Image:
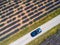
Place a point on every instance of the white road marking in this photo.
(45, 27)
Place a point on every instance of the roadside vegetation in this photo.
(30, 28)
(46, 35)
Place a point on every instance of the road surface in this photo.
(45, 27)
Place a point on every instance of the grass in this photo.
(42, 38)
(30, 28)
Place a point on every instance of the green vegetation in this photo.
(30, 28)
(41, 38)
(1, 25)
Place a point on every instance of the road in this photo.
(45, 27)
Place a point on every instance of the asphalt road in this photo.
(45, 27)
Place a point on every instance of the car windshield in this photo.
(34, 33)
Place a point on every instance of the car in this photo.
(37, 31)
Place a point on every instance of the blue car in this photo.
(37, 31)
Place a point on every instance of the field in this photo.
(28, 29)
(54, 39)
